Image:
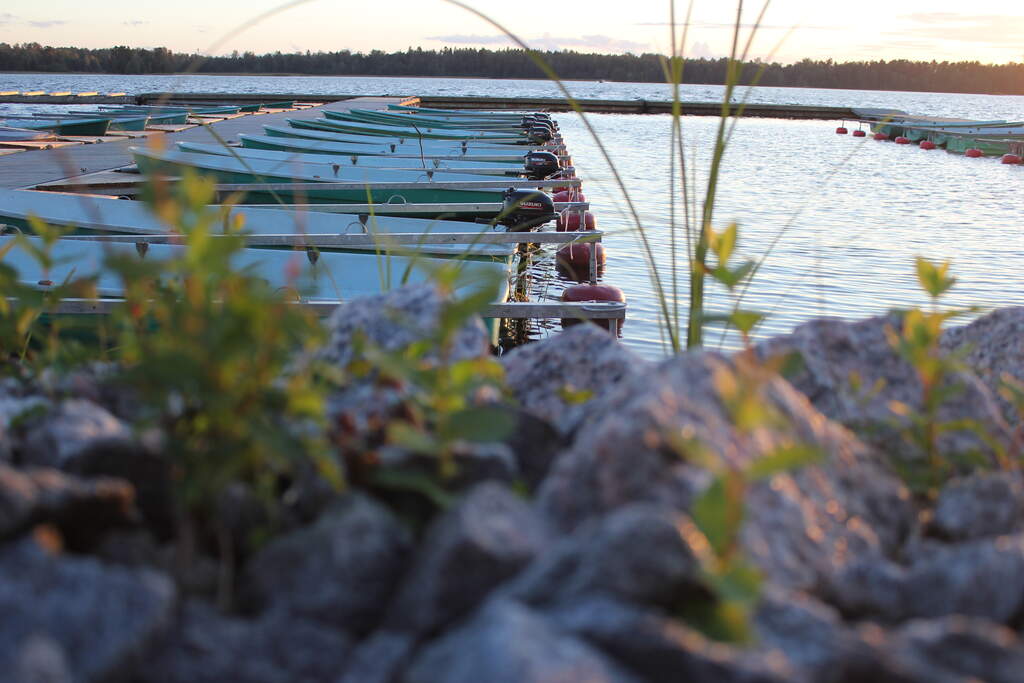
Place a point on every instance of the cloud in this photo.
(8, 18)
(990, 29)
(728, 26)
(134, 22)
(47, 24)
(701, 50)
(593, 42)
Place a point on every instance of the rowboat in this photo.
(154, 117)
(404, 120)
(510, 115)
(390, 132)
(194, 110)
(307, 145)
(105, 215)
(297, 129)
(97, 126)
(10, 134)
(124, 123)
(367, 184)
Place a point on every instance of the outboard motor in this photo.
(526, 209)
(539, 135)
(540, 165)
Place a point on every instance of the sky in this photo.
(984, 30)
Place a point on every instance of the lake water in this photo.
(852, 213)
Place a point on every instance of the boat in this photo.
(401, 164)
(92, 215)
(122, 123)
(368, 184)
(416, 145)
(67, 126)
(307, 145)
(331, 125)
(13, 134)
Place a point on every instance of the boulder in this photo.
(982, 504)
(486, 538)
(380, 658)
(650, 439)
(73, 431)
(637, 553)
(82, 509)
(340, 571)
(852, 374)
(557, 378)
(76, 619)
(660, 649)
(396, 319)
(207, 647)
(993, 346)
(506, 642)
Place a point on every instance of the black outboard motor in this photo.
(526, 209)
(540, 165)
(539, 135)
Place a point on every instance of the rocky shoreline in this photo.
(567, 550)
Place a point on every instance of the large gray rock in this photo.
(75, 619)
(584, 358)
(483, 540)
(508, 643)
(82, 509)
(340, 571)
(982, 578)
(73, 430)
(852, 374)
(994, 347)
(393, 321)
(663, 650)
(954, 649)
(380, 658)
(983, 504)
(647, 440)
(207, 647)
(637, 553)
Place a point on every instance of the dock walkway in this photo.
(32, 168)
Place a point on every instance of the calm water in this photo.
(854, 212)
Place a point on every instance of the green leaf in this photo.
(784, 459)
(482, 424)
(711, 515)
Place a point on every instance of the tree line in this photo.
(900, 74)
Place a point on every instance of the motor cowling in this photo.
(539, 134)
(540, 165)
(526, 209)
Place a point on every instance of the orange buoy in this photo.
(598, 293)
(973, 153)
(881, 136)
(900, 140)
(1012, 159)
(841, 130)
(859, 134)
(573, 261)
(927, 144)
(570, 222)
(566, 196)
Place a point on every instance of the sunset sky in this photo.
(867, 29)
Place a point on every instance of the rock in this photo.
(647, 440)
(662, 650)
(339, 571)
(396, 319)
(955, 648)
(983, 504)
(15, 404)
(81, 509)
(473, 463)
(637, 553)
(811, 634)
(544, 374)
(380, 658)
(535, 444)
(208, 647)
(508, 643)
(486, 538)
(852, 375)
(72, 431)
(74, 618)
(982, 578)
(994, 347)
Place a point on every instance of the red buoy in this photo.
(573, 261)
(570, 222)
(927, 144)
(973, 153)
(900, 140)
(859, 134)
(881, 136)
(577, 293)
(566, 196)
(841, 130)
(1012, 159)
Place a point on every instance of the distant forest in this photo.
(966, 77)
